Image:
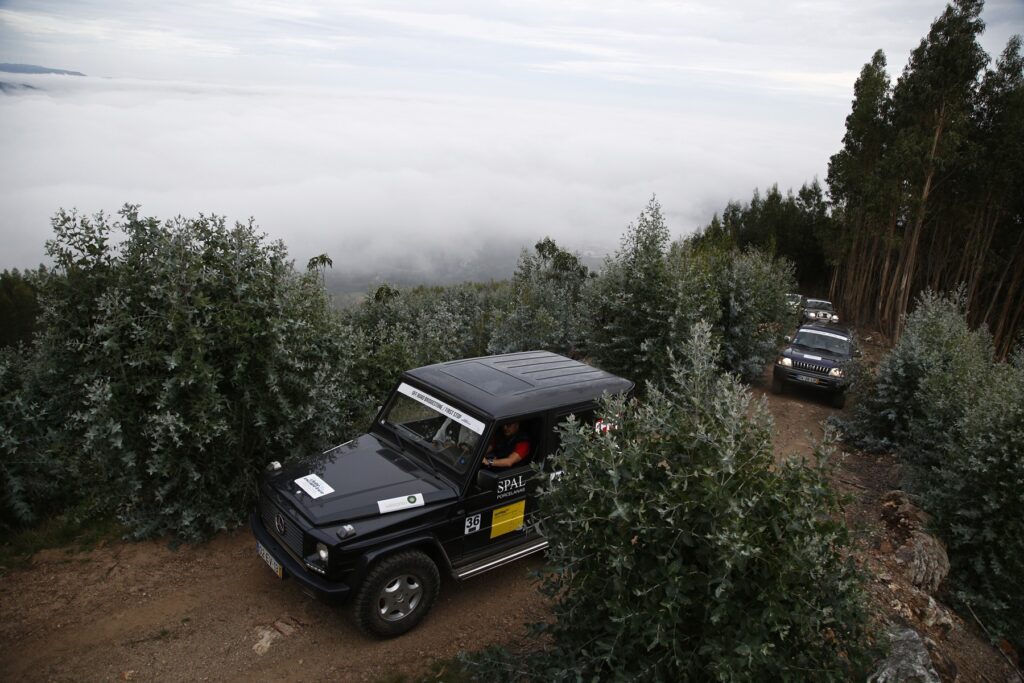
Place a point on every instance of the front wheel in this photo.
(776, 385)
(396, 594)
(839, 399)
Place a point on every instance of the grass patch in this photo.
(70, 530)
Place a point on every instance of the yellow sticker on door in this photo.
(507, 519)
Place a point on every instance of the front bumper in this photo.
(813, 380)
(319, 586)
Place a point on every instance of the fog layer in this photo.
(383, 182)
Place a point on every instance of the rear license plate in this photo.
(805, 378)
(269, 559)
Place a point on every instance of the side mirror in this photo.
(788, 339)
(486, 480)
(857, 353)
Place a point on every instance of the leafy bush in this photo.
(19, 305)
(200, 354)
(681, 552)
(956, 418)
(31, 478)
(923, 386)
(752, 288)
(545, 307)
(400, 329)
(630, 304)
(976, 496)
(647, 296)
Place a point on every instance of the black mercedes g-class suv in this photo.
(376, 519)
(817, 357)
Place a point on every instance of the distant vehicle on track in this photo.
(818, 311)
(817, 357)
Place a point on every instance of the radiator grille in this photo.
(272, 515)
(811, 367)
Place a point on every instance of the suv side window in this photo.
(531, 430)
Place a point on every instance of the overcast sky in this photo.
(398, 134)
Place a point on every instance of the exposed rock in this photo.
(284, 628)
(901, 513)
(908, 661)
(944, 666)
(936, 616)
(924, 561)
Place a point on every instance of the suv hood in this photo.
(368, 476)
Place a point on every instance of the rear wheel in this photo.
(396, 594)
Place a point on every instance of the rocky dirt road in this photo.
(146, 612)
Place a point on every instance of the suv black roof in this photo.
(514, 384)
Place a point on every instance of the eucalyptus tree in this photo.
(630, 302)
(932, 106)
(544, 310)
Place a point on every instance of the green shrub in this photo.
(752, 289)
(200, 355)
(976, 494)
(922, 387)
(956, 418)
(545, 306)
(629, 304)
(399, 329)
(681, 553)
(32, 479)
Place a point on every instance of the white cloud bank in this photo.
(387, 134)
(373, 177)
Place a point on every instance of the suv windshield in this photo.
(820, 305)
(823, 341)
(445, 433)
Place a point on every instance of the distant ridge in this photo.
(33, 69)
(8, 88)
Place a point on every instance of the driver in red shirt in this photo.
(509, 448)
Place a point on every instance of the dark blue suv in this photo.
(818, 357)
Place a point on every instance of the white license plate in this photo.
(805, 378)
(269, 559)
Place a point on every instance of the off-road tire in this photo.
(839, 399)
(396, 594)
(776, 386)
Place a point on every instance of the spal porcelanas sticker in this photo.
(314, 486)
(413, 500)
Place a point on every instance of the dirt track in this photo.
(145, 612)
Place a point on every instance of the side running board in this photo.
(501, 559)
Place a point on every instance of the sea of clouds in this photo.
(387, 181)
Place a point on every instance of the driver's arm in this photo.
(522, 450)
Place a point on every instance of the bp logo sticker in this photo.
(401, 503)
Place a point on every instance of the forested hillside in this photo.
(927, 190)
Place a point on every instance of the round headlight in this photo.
(836, 372)
(321, 550)
(785, 362)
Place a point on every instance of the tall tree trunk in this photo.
(906, 280)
